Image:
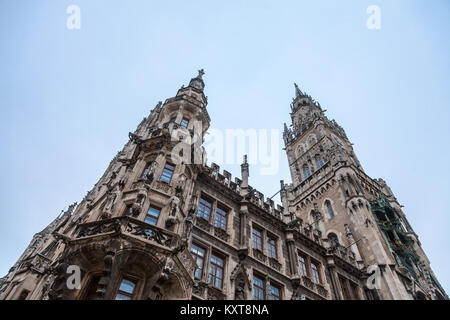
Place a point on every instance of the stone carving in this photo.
(111, 196)
(174, 209)
(133, 137)
(239, 293)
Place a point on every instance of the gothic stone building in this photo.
(158, 227)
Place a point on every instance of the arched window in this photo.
(306, 171)
(329, 208)
(300, 151)
(319, 161)
(333, 240)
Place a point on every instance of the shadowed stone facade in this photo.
(158, 227)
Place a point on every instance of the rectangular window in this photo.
(204, 209)
(216, 271)
(302, 265)
(274, 292)
(152, 215)
(184, 123)
(272, 247)
(258, 288)
(167, 172)
(126, 290)
(198, 254)
(221, 219)
(315, 272)
(257, 239)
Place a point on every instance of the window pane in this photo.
(184, 123)
(167, 172)
(127, 286)
(274, 293)
(153, 212)
(152, 215)
(122, 297)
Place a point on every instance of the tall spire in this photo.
(298, 92)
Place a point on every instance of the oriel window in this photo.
(167, 173)
(126, 290)
(184, 123)
(152, 215)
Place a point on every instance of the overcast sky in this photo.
(70, 97)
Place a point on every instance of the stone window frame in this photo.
(271, 236)
(261, 231)
(264, 236)
(225, 216)
(205, 197)
(185, 120)
(151, 216)
(148, 203)
(214, 205)
(326, 208)
(220, 256)
(164, 169)
(204, 261)
(263, 288)
(306, 259)
(268, 282)
(316, 271)
(137, 288)
(209, 249)
(277, 285)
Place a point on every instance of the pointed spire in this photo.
(244, 176)
(298, 92)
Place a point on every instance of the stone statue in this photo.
(240, 290)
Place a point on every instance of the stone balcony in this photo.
(128, 226)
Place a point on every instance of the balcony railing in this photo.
(130, 226)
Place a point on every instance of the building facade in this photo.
(162, 224)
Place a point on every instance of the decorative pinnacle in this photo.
(298, 92)
(201, 73)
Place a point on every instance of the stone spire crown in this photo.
(197, 82)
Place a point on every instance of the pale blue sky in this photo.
(69, 98)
